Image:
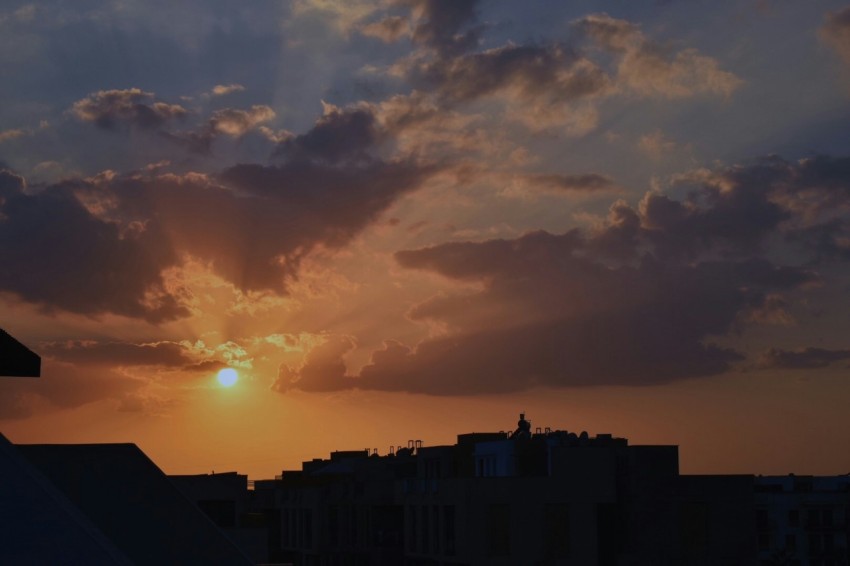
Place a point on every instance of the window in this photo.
(449, 530)
(794, 518)
(556, 523)
(499, 530)
(791, 542)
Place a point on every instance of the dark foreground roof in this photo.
(133, 503)
(16, 360)
(39, 525)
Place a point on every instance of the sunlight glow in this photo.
(228, 377)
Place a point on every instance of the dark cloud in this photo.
(168, 354)
(101, 245)
(836, 32)
(57, 254)
(637, 300)
(553, 72)
(389, 29)
(442, 23)
(110, 108)
(647, 68)
(341, 134)
(233, 122)
(587, 182)
(322, 370)
(807, 358)
(62, 386)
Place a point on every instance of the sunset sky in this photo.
(409, 219)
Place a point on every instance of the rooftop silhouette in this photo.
(16, 360)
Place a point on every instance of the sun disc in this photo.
(227, 377)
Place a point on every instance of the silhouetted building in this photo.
(16, 360)
(542, 497)
(226, 499)
(803, 520)
(119, 499)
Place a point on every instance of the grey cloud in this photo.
(389, 29)
(442, 24)
(101, 245)
(62, 386)
(583, 183)
(648, 68)
(806, 358)
(59, 255)
(341, 134)
(635, 301)
(167, 354)
(110, 108)
(552, 72)
(836, 32)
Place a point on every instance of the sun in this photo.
(228, 377)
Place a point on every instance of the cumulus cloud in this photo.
(60, 255)
(643, 298)
(102, 245)
(836, 32)
(389, 29)
(806, 358)
(647, 68)
(551, 84)
(109, 109)
(221, 90)
(340, 134)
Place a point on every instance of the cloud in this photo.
(222, 90)
(234, 122)
(323, 368)
(62, 386)
(647, 68)
(6, 135)
(340, 134)
(836, 32)
(389, 29)
(642, 298)
(440, 24)
(231, 122)
(588, 182)
(806, 358)
(167, 354)
(59, 255)
(108, 109)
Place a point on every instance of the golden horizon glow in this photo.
(228, 377)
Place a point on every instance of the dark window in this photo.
(791, 542)
(794, 518)
(557, 529)
(764, 541)
(449, 530)
(761, 519)
(499, 530)
(813, 517)
(412, 533)
(426, 539)
(221, 511)
(827, 517)
(693, 525)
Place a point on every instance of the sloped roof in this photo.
(134, 504)
(40, 525)
(16, 360)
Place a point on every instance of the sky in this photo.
(411, 219)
